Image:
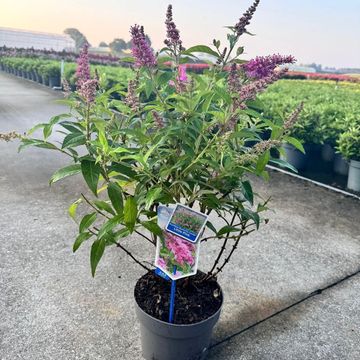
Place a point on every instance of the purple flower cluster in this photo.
(86, 86)
(244, 21)
(263, 66)
(249, 91)
(233, 79)
(158, 120)
(83, 67)
(172, 33)
(131, 99)
(88, 90)
(141, 50)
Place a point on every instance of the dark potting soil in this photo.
(195, 300)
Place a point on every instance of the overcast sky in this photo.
(321, 31)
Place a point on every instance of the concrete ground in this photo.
(51, 307)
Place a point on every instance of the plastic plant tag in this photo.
(160, 273)
(174, 251)
(186, 223)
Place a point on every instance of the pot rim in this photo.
(355, 163)
(183, 325)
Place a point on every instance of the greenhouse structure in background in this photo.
(16, 38)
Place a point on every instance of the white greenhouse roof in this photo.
(20, 38)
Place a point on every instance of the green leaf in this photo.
(254, 216)
(164, 78)
(262, 162)
(87, 221)
(248, 192)
(124, 169)
(103, 140)
(80, 239)
(148, 87)
(222, 93)
(121, 233)
(97, 251)
(153, 227)
(55, 119)
(295, 142)
(37, 143)
(47, 131)
(109, 225)
(152, 195)
(65, 172)
(116, 197)
(103, 205)
(207, 101)
(239, 50)
(227, 229)
(91, 172)
(283, 164)
(74, 139)
(211, 227)
(130, 213)
(36, 127)
(201, 49)
(73, 208)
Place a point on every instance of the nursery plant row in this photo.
(43, 54)
(328, 125)
(48, 72)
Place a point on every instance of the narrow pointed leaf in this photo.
(73, 208)
(103, 205)
(130, 213)
(153, 227)
(65, 172)
(97, 251)
(87, 221)
(80, 239)
(116, 197)
(91, 172)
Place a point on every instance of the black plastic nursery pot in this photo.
(341, 166)
(161, 340)
(327, 153)
(54, 81)
(295, 157)
(45, 81)
(310, 160)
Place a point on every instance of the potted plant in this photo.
(54, 75)
(332, 124)
(44, 74)
(172, 138)
(308, 130)
(349, 147)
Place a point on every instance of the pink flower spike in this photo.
(182, 77)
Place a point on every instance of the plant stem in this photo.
(94, 207)
(124, 249)
(227, 259)
(223, 247)
(133, 257)
(145, 237)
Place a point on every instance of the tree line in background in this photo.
(116, 46)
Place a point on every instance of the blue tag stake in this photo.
(172, 298)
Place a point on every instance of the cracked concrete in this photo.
(51, 308)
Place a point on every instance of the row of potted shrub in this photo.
(45, 72)
(48, 72)
(327, 126)
(104, 59)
